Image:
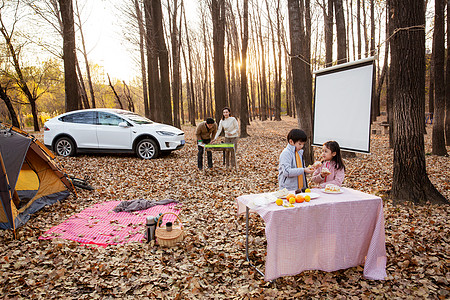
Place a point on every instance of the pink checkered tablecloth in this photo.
(329, 233)
(100, 225)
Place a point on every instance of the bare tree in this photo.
(218, 20)
(366, 39)
(438, 138)
(375, 98)
(340, 32)
(410, 180)
(163, 63)
(447, 81)
(173, 15)
(140, 23)
(384, 70)
(85, 55)
(12, 113)
(127, 92)
(328, 29)
(300, 65)
(244, 106)
(31, 93)
(189, 74)
(358, 27)
(115, 93)
(69, 56)
(154, 87)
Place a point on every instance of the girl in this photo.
(231, 128)
(332, 169)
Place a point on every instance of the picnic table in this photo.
(222, 147)
(331, 232)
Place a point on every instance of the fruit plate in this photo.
(312, 195)
(328, 192)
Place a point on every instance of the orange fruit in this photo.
(289, 196)
(307, 198)
(299, 198)
(279, 202)
(307, 191)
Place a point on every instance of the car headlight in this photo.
(166, 133)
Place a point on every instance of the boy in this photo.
(206, 130)
(291, 170)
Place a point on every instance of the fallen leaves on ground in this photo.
(211, 263)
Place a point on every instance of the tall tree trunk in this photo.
(384, 71)
(302, 102)
(353, 32)
(438, 138)
(375, 98)
(163, 59)
(142, 53)
(340, 32)
(263, 80)
(206, 68)
(218, 20)
(307, 56)
(447, 81)
(410, 179)
(189, 74)
(84, 52)
(115, 93)
(390, 80)
(12, 113)
(127, 93)
(244, 106)
(276, 90)
(431, 83)
(82, 88)
(366, 39)
(328, 28)
(341, 47)
(358, 26)
(279, 35)
(154, 87)
(175, 66)
(70, 74)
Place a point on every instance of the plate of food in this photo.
(312, 195)
(332, 189)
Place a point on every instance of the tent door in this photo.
(27, 184)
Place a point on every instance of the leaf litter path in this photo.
(211, 261)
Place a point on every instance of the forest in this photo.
(185, 60)
(256, 57)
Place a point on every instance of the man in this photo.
(206, 131)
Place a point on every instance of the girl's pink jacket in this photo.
(336, 177)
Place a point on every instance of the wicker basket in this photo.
(169, 238)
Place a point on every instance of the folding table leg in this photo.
(246, 241)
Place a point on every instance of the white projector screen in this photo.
(342, 105)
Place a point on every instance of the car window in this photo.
(138, 119)
(83, 117)
(109, 119)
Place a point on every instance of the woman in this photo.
(231, 128)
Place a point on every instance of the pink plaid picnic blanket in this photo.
(100, 225)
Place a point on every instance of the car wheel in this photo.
(147, 149)
(65, 147)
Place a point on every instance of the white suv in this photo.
(110, 130)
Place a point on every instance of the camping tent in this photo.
(29, 178)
